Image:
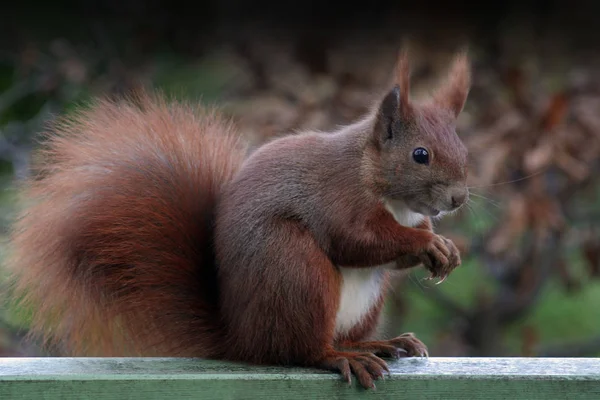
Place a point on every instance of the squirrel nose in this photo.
(459, 198)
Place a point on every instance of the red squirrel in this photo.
(150, 229)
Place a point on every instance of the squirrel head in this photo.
(423, 162)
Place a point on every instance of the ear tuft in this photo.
(396, 103)
(403, 81)
(453, 93)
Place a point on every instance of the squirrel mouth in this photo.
(424, 209)
(432, 212)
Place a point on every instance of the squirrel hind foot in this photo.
(405, 345)
(367, 367)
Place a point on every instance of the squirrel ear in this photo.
(395, 105)
(388, 114)
(396, 102)
(391, 103)
(453, 93)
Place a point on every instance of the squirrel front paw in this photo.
(407, 261)
(440, 257)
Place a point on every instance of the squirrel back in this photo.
(113, 249)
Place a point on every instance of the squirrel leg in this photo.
(365, 365)
(407, 261)
(405, 345)
(380, 239)
(292, 320)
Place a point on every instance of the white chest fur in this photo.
(361, 287)
(402, 214)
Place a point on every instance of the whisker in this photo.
(507, 182)
(492, 202)
(478, 224)
(494, 217)
(473, 213)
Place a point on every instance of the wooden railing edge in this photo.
(187, 378)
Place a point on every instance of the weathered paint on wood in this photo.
(182, 378)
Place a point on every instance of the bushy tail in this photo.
(113, 249)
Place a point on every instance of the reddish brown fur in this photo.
(113, 247)
(116, 253)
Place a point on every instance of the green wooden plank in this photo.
(183, 378)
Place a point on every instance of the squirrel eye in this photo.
(421, 156)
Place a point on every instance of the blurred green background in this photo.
(530, 282)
